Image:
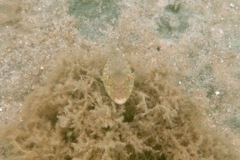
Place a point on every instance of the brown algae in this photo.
(71, 117)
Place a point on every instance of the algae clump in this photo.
(71, 117)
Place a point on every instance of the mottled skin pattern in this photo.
(117, 78)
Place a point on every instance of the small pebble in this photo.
(217, 92)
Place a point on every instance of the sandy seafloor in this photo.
(198, 40)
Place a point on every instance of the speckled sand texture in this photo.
(193, 46)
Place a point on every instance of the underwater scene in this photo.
(119, 80)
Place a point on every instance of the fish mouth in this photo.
(120, 100)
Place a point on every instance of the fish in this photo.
(118, 79)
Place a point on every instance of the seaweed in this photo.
(70, 116)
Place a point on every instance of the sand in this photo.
(197, 43)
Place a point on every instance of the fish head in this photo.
(119, 87)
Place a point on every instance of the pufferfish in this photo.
(118, 79)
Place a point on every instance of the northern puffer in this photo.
(118, 78)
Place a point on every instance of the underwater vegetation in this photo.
(71, 117)
(95, 16)
(173, 21)
(234, 122)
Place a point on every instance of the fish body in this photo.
(118, 78)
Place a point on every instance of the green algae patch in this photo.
(70, 116)
(234, 122)
(172, 22)
(94, 17)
